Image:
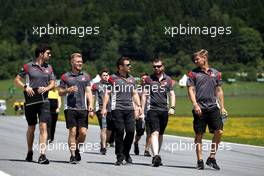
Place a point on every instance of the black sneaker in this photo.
(103, 151)
(42, 159)
(73, 160)
(146, 153)
(129, 160)
(200, 165)
(78, 155)
(136, 149)
(29, 157)
(156, 161)
(212, 163)
(119, 161)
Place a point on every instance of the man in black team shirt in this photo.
(106, 123)
(161, 87)
(39, 80)
(75, 86)
(204, 88)
(123, 93)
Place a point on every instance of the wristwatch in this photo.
(25, 86)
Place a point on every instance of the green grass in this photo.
(242, 99)
(246, 130)
(242, 106)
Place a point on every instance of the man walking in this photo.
(123, 93)
(75, 86)
(140, 122)
(39, 79)
(204, 89)
(161, 87)
(105, 122)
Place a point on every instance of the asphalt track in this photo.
(178, 156)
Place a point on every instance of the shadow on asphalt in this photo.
(18, 160)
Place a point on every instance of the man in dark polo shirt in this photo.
(75, 86)
(161, 87)
(105, 123)
(204, 89)
(39, 80)
(123, 93)
(140, 122)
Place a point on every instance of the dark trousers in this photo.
(124, 122)
(52, 126)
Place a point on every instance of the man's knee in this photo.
(72, 131)
(155, 133)
(31, 129)
(218, 132)
(82, 132)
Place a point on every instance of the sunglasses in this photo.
(157, 66)
(104, 75)
(127, 65)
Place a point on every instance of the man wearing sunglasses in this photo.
(161, 87)
(123, 94)
(39, 79)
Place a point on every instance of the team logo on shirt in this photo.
(46, 70)
(83, 78)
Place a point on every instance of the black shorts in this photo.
(76, 118)
(35, 111)
(110, 122)
(157, 121)
(211, 117)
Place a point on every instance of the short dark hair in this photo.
(143, 74)
(41, 48)
(105, 70)
(157, 59)
(121, 60)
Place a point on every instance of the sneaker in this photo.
(73, 160)
(156, 160)
(103, 151)
(29, 157)
(200, 165)
(78, 155)
(42, 159)
(129, 159)
(119, 161)
(146, 153)
(212, 163)
(136, 149)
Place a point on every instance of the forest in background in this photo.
(135, 28)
